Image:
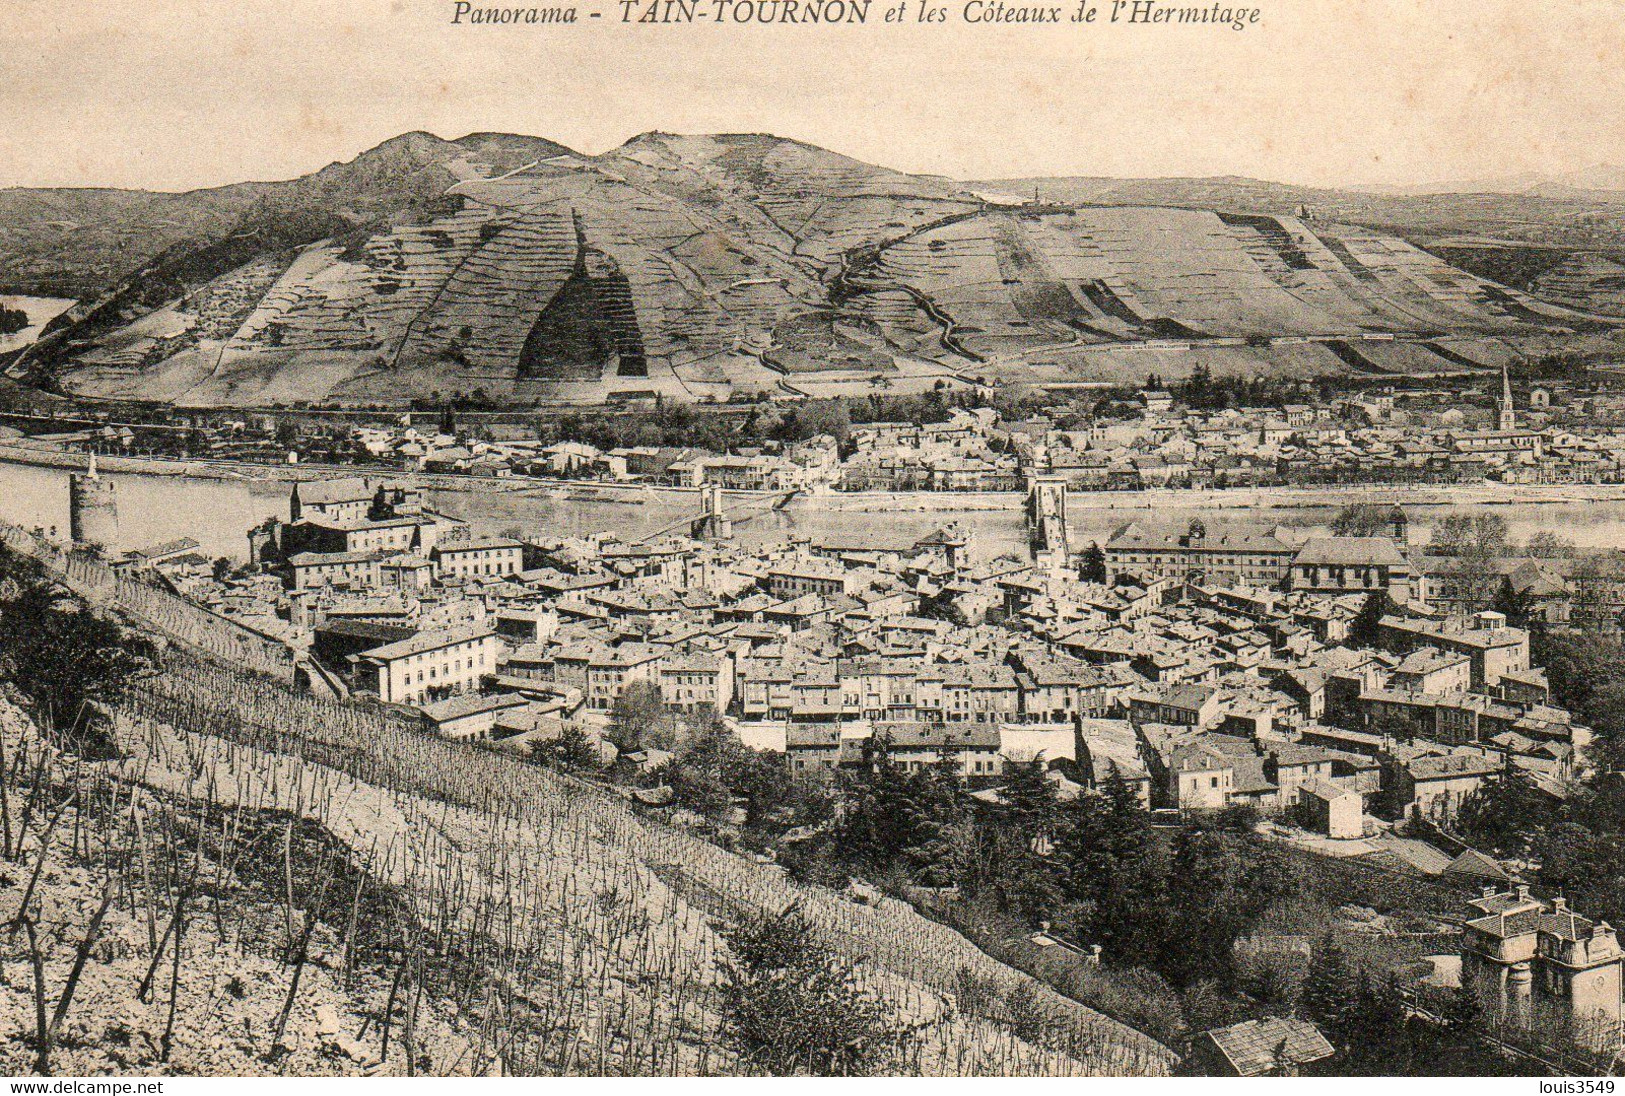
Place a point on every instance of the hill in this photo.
(710, 267)
(260, 882)
(1598, 182)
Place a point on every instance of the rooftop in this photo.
(429, 641)
(1351, 552)
(1258, 1047)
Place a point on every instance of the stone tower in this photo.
(713, 523)
(92, 508)
(1509, 417)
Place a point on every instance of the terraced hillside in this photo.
(704, 267)
(1060, 288)
(1577, 278)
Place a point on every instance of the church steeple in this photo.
(1509, 418)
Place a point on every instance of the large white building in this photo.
(478, 559)
(431, 664)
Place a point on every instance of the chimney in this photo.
(1489, 891)
(1559, 905)
(1523, 892)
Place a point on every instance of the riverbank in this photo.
(924, 502)
(241, 472)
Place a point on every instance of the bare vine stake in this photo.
(5, 806)
(299, 959)
(144, 992)
(42, 1033)
(287, 879)
(389, 1005)
(42, 855)
(92, 934)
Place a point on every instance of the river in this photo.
(40, 311)
(218, 514)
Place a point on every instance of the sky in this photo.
(177, 94)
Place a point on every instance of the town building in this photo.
(1344, 565)
(487, 558)
(1230, 558)
(430, 664)
(1544, 964)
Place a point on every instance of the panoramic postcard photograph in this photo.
(831, 538)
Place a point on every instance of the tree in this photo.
(572, 750)
(1093, 566)
(1586, 863)
(700, 790)
(1451, 535)
(790, 1006)
(944, 605)
(1606, 711)
(712, 767)
(1548, 545)
(1325, 988)
(899, 822)
(1362, 519)
(1587, 674)
(639, 720)
(1464, 1011)
(69, 661)
(1505, 814)
(1365, 630)
(1016, 839)
(1489, 534)
(1516, 606)
(830, 417)
(1376, 1038)
(1219, 885)
(1205, 917)
(1200, 392)
(1114, 872)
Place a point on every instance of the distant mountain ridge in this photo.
(1599, 179)
(710, 266)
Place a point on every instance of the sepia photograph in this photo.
(811, 538)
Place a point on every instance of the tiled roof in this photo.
(940, 736)
(1516, 923)
(328, 491)
(1418, 854)
(471, 704)
(1351, 551)
(1447, 766)
(1567, 925)
(1135, 539)
(317, 559)
(1476, 865)
(1258, 1047)
(430, 641)
(1322, 790)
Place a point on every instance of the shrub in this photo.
(791, 1006)
(68, 661)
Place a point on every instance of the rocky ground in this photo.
(230, 987)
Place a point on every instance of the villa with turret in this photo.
(1542, 963)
